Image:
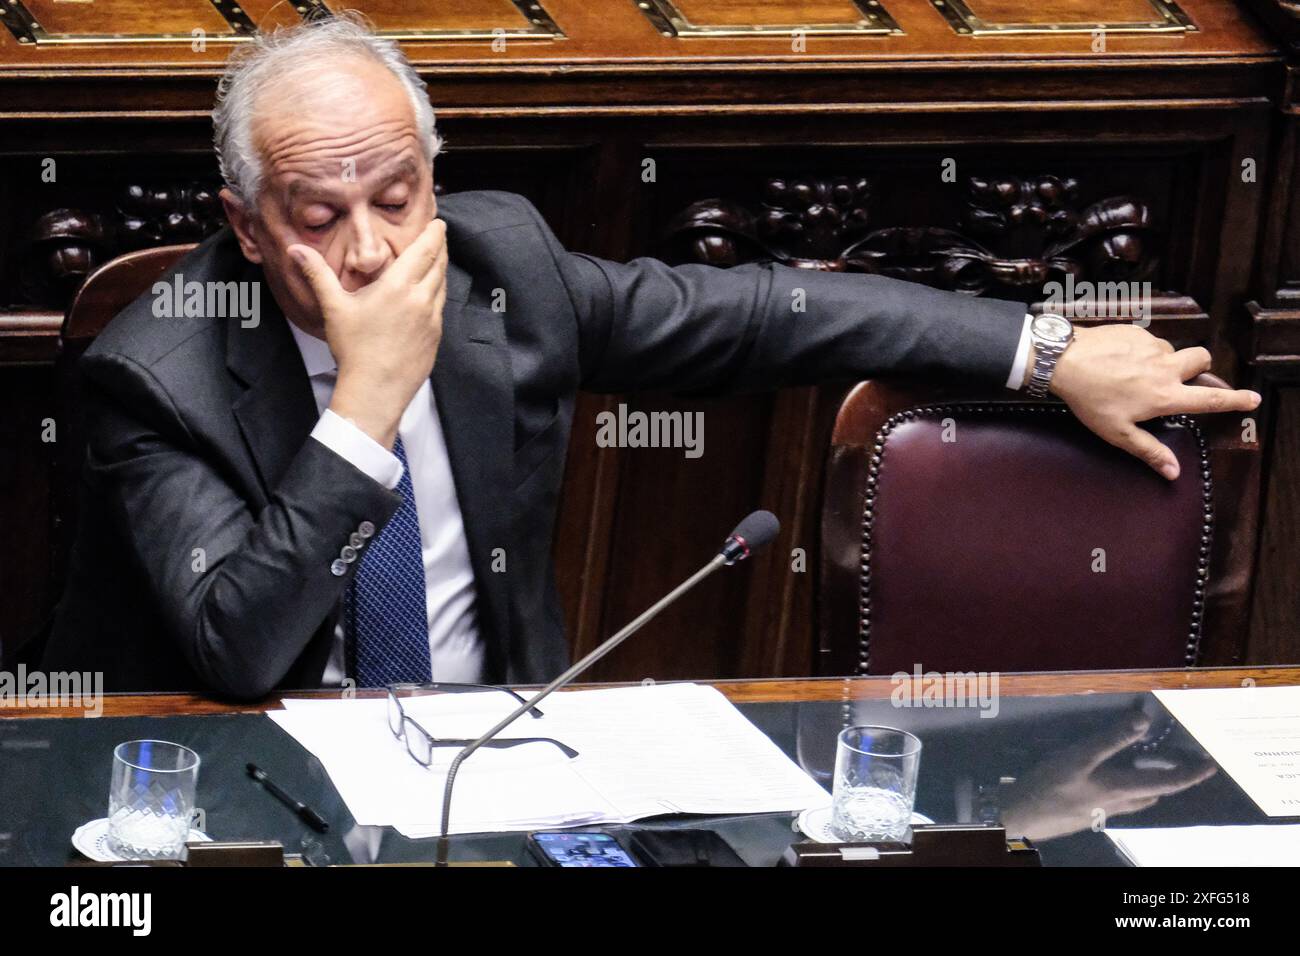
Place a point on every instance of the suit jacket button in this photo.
(348, 554)
(338, 568)
(355, 540)
(366, 529)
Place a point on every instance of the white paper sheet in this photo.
(1264, 845)
(1253, 733)
(645, 750)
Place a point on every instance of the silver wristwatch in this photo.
(1050, 334)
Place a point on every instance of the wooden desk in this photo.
(758, 692)
(54, 774)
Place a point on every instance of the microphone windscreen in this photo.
(757, 529)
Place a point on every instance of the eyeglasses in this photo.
(420, 743)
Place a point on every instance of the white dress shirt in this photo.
(1017, 377)
(455, 647)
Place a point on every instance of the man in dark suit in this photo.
(361, 480)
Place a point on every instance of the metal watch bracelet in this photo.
(1050, 335)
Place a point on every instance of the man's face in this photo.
(344, 173)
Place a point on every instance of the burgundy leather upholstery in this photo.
(984, 552)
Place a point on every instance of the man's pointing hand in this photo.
(1114, 376)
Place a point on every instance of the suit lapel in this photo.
(276, 411)
(475, 396)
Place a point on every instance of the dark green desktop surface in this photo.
(54, 776)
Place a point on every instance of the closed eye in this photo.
(387, 207)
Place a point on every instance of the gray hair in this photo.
(267, 57)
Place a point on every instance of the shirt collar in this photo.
(316, 354)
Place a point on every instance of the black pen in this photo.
(304, 812)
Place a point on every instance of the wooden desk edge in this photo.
(738, 691)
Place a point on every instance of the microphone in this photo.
(750, 535)
(754, 532)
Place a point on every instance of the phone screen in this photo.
(582, 848)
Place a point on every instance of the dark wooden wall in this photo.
(1120, 164)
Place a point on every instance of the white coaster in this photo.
(815, 824)
(91, 839)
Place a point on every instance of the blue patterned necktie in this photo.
(385, 606)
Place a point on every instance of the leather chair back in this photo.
(1002, 535)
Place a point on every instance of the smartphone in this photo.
(578, 848)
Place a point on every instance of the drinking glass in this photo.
(151, 799)
(875, 783)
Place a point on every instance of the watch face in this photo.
(1053, 328)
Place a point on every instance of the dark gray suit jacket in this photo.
(199, 438)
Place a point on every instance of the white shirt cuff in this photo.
(1016, 379)
(353, 445)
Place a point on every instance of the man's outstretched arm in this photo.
(644, 324)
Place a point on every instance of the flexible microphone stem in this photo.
(631, 628)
